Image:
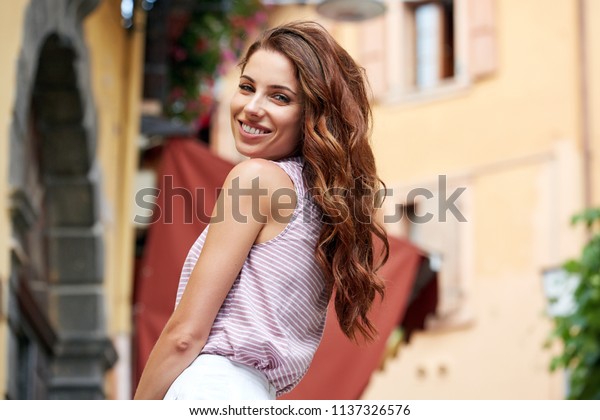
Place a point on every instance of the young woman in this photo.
(293, 226)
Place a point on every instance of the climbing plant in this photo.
(203, 48)
(579, 330)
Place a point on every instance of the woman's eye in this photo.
(281, 98)
(245, 87)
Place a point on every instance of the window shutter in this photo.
(372, 54)
(483, 49)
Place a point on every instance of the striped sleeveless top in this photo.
(274, 315)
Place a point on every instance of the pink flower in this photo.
(237, 44)
(227, 55)
(237, 21)
(206, 101)
(260, 17)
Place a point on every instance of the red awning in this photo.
(189, 179)
(190, 176)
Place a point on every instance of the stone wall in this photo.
(55, 202)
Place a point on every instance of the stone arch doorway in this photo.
(58, 346)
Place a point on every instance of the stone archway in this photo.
(59, 346)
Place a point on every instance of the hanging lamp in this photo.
(351, 10)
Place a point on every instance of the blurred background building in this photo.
(70, 113)
(493, 103)
(486, 123)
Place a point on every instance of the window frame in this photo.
(397, 90)
(451, 252)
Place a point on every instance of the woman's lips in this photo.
(253, 129)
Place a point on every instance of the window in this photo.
(433, 218)
(429, 36)
(423, 46)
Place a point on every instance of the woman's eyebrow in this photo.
(271, 86)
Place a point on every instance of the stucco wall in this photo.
(116, 75)
(593, 51)
(514, 140)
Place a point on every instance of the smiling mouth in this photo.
(253, 130)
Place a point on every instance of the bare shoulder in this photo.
(259, 172)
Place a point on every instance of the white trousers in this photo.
(212, 377)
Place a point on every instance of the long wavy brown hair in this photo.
(339, 166)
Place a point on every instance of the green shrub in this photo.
(579, 331)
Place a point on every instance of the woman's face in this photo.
(266, 108)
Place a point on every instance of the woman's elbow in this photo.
(183, 341)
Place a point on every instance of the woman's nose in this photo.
(255, 106)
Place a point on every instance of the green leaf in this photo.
(572, 266)
(588, 217)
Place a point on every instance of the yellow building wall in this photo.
(514, 140)
(116, 65)
(12, 15)
(530, 102)
(593, 56)
(116, 77)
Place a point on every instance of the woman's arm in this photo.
(234, 227)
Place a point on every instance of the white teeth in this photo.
(252, 130)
